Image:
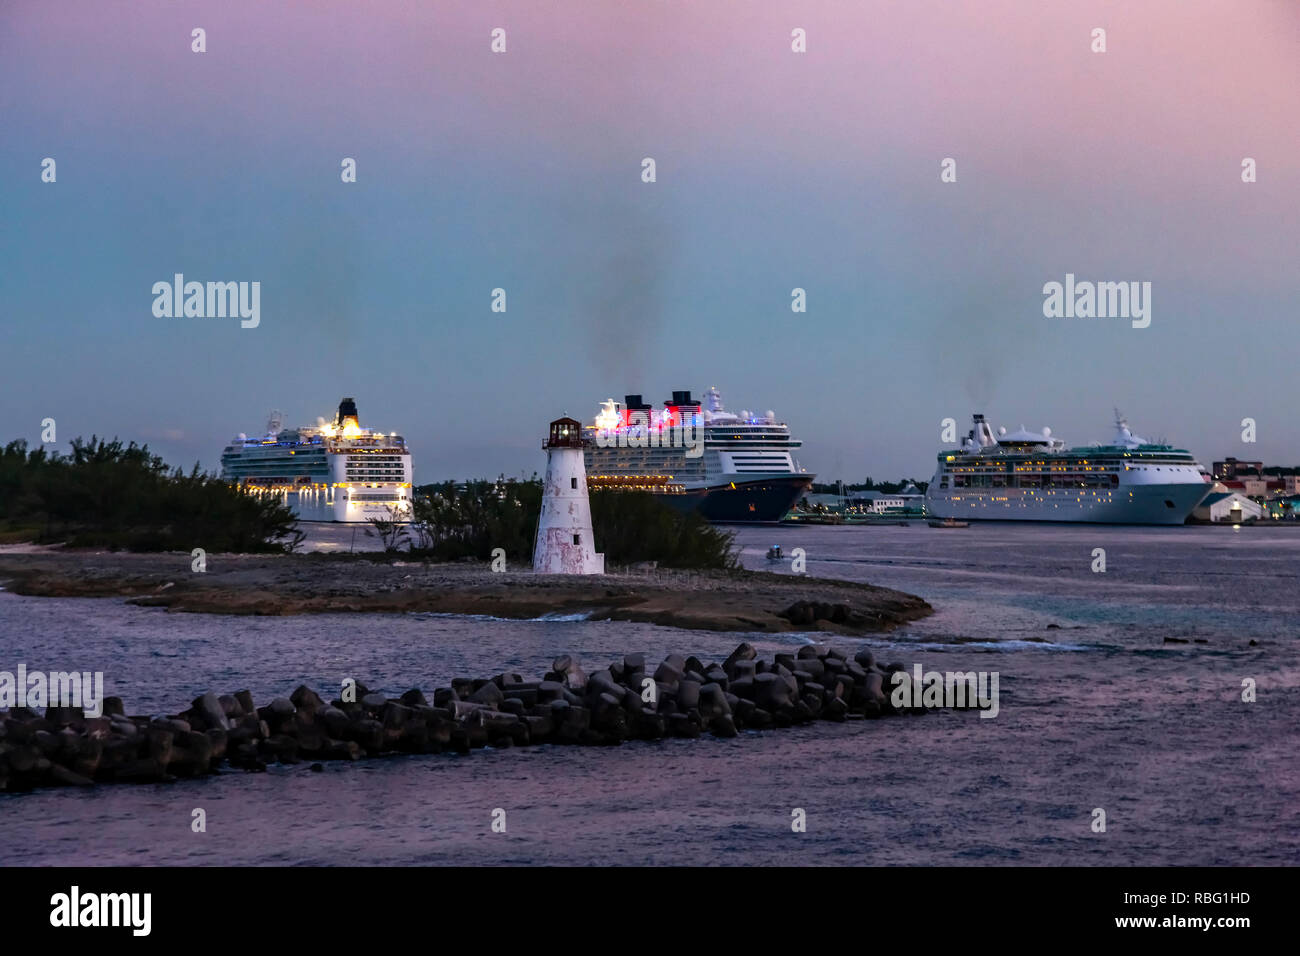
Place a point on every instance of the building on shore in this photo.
(1253, 480)
(882, 502)
(1230, 469)
(1230, 507)
(820, 501)
(1253, 487)
(907, 501)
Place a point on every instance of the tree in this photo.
(106, 494)
(391, 531)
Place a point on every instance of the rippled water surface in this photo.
(1097, 710)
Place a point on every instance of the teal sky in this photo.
(775, 170)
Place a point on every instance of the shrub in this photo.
(106, 494)
(472, 519)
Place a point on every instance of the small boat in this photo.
(949, 523)
(774, 553)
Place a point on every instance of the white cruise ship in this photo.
(1031, 476)
(335, 471)
(729, 467)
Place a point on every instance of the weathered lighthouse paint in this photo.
(565, 543)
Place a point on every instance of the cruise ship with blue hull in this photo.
(730, 468)
(1031, 476)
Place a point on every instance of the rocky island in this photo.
(714, 600)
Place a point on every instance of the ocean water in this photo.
(1096, 711)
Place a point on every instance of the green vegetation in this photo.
(110, 495)
(392, 532)
(885, 487)
(469, 520)
(472, 519)
(634, 526)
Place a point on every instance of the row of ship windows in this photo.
(303, 480)
(1031, 481)
(272, 472)
(281, 461)
(263, 454)
(1037, 469)
(724, 446)
(643, 461)
(661, 451)
(1079, 465)
(1092, 503)
(998, 470)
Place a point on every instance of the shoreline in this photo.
(273, 585)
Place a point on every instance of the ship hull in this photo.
(1146, 504)
(336, 506)
(752, 501)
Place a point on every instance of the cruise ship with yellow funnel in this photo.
(333, 471)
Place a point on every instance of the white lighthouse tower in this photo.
(565, 543)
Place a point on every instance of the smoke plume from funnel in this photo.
(621, 309)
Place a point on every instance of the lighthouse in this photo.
(565, 543)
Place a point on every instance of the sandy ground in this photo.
(298, 584)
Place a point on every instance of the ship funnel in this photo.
(1123, 434)
(982, 434)
(347, 409)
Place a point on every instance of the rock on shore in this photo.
(631, 699)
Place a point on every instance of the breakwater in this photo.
(628, 700)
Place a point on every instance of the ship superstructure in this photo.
(730, 467)
(333, 471)
(1032, 476)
